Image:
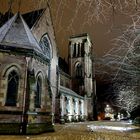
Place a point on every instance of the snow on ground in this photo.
(124, 127)
(116, 128)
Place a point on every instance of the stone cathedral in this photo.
(37, 86)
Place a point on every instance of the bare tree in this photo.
(128, 99)
(122, 65)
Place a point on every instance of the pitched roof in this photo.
(69, 92)
(32, 17)
(16, 33)
(79, 35)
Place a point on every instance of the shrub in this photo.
(39, 128)
(66, 119)
(136, 121)
(107, 118)
(10, 128)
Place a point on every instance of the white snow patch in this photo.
(116, 128)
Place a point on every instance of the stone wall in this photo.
(7, 63)
(42, 27)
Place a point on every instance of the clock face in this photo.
(45, 46)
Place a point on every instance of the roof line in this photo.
(79, 35)
(38, 18)
(7, 29)
(71, 92)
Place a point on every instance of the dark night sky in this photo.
(71, 17)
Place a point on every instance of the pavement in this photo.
(85, 131)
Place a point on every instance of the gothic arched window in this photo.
(79, 70)
(12, 88)
(38, 93)
(45, 46)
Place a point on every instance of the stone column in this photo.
(71, 50)
(76, 108)
(62, 106)
(82, 109)
(80, 49)
(76, 49)
(68, 108)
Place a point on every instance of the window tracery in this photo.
(12, 88)
(45, 46)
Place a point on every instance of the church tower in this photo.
(81, 68)
(81, 65)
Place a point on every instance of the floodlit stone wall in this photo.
(9, 62)
(45, 26)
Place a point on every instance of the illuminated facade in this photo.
(34, 91)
